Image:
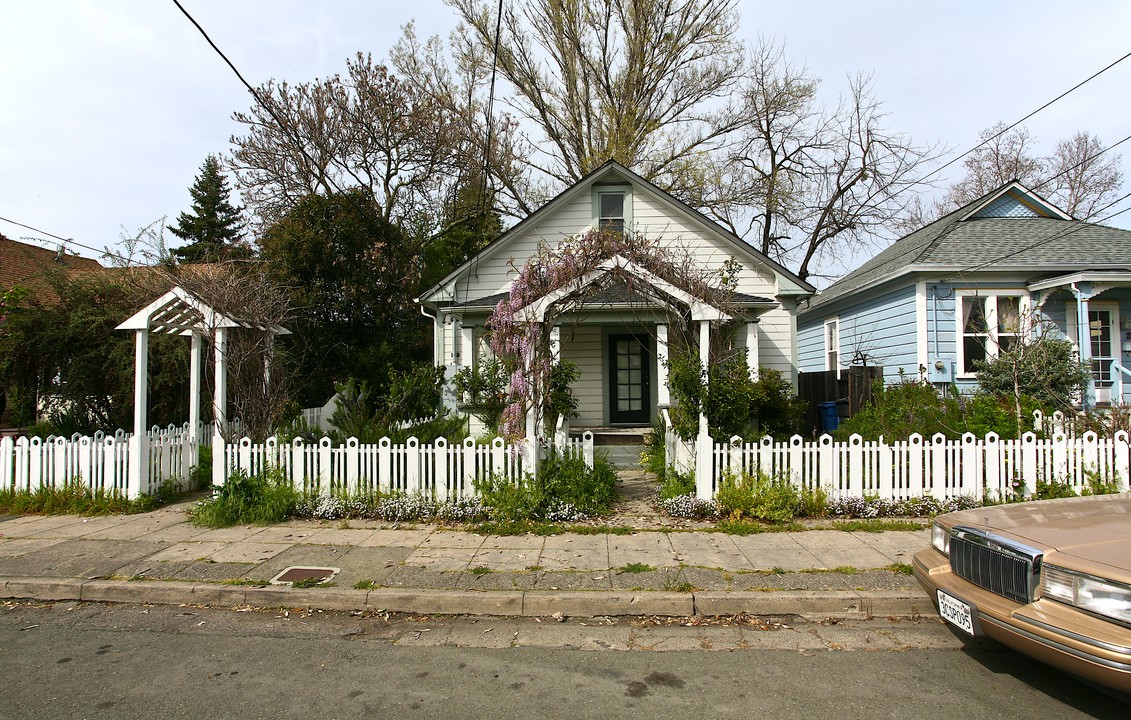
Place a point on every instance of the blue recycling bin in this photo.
(830, 420)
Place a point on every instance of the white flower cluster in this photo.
(564, 512)
(689, 506)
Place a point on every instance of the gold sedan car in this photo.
(1050, 579)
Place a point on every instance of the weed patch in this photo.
(565, 490)
(900, 568)
(75, 498)
(261, 499)
(875, 525)
(635, 568)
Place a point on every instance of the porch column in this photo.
(1083, 293)
(451, 361)
(752, 360)
(139, 444)
(663, 393)
(196, 350)
(467, 346)
(704, 463)
(555, 344)
(534, 410)
(219, 406)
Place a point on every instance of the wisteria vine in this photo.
(523, 347)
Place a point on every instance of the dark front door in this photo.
(629, 391)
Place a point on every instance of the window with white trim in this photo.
(832, 344)
(989, 323)
(610, 207)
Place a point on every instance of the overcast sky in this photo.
(109, 107)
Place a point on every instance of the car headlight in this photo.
(1109, 599)
(940, 538)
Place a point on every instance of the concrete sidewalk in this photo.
(160, 557)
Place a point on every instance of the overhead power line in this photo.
(1059, 97)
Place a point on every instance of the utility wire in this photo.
(915, 249)
(102, 252)
(259, 100)
(1075, 87)
(1059, 234)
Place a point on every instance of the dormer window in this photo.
(611, 211)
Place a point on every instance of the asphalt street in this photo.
(90, 660)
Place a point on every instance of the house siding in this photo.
(883, 327)
(582, 345)
(810, 346)
(942, 321)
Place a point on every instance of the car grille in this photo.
(1002, 566)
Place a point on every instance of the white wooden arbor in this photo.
(179, 312)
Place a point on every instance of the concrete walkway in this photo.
(161, 557)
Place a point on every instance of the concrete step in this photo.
(625, 457)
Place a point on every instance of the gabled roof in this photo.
(1009, 228)
(28, 266)
(179, 312)
(614, 171)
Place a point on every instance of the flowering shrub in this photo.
(462, 510)
(874, 507)
(689, 506)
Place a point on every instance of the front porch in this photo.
(1092, 310)
(617, 326)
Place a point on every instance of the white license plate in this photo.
(956, 612)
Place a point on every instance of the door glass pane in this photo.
(1099, 322)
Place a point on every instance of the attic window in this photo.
(611, 211)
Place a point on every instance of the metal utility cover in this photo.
(295, 574)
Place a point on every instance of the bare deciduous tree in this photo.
(811, 183)
(409, 141)
(643, 83)
(1079, 177)
(1084, 181)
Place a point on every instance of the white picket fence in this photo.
(440, 470)
(988, 468)
(101, 463)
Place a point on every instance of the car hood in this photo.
(1095, 529)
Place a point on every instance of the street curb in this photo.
(835, 604)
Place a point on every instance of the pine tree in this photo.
(213, 228)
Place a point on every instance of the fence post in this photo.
(440, 469)
(1090, 458)
(1028, 464)
(498, 459)
(470, 472)
(992, 463)
(587, 448)
(35, 464)
(734, 461)
(1122, 461)
(412, 465)
(299, 473)
(828, 469)
(385, 464)
(7, 462)
(915, 465)
(353, 463)
(325, 466)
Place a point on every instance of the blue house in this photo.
(959, 290)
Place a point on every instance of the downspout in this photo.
(448, 395)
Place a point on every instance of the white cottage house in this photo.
(617, 335)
